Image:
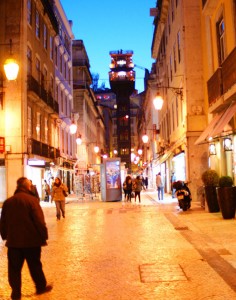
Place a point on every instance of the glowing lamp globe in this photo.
(73, 128)
(145, 138)
(96, 149)
(158, 102)
(11, 69)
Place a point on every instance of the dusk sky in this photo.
(107, 25)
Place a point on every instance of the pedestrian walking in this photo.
(172, 180)
(146, 182)
(23, 227)
(128, 181)
(59, 193)
(160, 186)
(137, 187)
(125, 189)
(47, 192)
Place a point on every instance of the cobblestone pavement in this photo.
(121, 251)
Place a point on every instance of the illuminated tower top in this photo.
(121, 67)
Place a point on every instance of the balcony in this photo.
(223, 79)
(35, 87)
(38, 148)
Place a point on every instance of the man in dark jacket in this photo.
(23, 227)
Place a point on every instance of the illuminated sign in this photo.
(36, 162)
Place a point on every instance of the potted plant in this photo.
(210, 180)
(226, 195)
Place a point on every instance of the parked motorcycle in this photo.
(183, 194)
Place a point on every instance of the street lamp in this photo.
(11, 67)
(145, 137)
(158, 100)
(73, 126)
(79, 139)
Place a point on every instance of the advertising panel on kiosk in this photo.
(112, 180)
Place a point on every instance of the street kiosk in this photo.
(111, 180)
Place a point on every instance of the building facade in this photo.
(31, 106)
(219, 53)
(178, 77)
(91, 125)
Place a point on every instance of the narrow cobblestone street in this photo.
(119, 251)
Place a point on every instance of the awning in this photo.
(227, 116)
(217, 124)
(207, 132)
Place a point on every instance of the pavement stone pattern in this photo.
(126, 251)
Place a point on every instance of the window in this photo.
(177, 111)
(62, 101)
(37, 24)
(51, 47)
(29, 61)
(38, 126)
(61, 63)
(51, 84)
(37, 65)
(221, 39)
(44, 78)
(46, 130)
(29, 12)
(174, 57)
(45, 37)
(56, 55)
(171, 72)
(57, 93)
(178, 45)
(172, 10)
(29, 123)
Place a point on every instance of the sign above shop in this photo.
(36, 162)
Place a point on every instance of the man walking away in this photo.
(160, 186)
(23, 227)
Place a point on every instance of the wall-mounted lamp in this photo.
(145, 137)
(96, 149)
(11, 67)
(73, 126)
(227, 144)
(212, 149)
(158, 100)
(140, 151)
(79, 139)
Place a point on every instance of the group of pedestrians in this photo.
(132, 188)
(23, 227)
